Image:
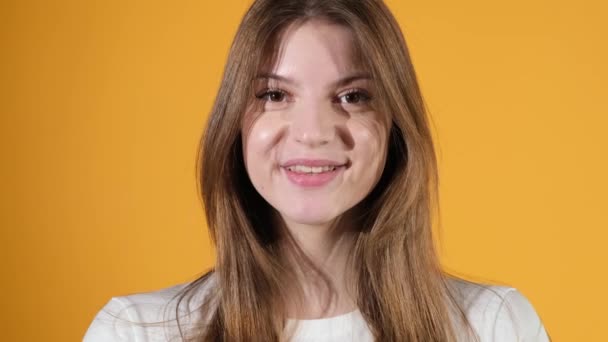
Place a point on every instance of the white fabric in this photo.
(497, 313)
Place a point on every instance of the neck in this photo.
(327, 247)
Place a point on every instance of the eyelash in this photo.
(366, 97)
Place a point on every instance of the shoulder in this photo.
(146, 316)
(498, 313)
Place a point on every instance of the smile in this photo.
(316, 176)
(311, 169)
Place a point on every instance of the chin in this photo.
(309, 217)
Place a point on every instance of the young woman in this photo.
(319, 179)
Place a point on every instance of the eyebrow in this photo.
(339, 83)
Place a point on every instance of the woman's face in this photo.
(314, 147)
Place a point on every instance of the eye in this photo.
(354, 96)
(272, 95)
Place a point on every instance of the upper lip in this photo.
(312, 162)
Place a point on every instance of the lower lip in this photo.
(312, 179)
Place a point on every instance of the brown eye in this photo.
(354, 97)
(272, 95)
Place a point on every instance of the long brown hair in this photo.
(402, 292)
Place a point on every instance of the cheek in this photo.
(258, 137)
(370, 139)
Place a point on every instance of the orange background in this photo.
(103, 103)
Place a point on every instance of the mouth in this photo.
(313, 176)
(303, 169)
(313, 165)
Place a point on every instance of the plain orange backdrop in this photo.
(103, 103)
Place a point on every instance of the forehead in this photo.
(315, 51)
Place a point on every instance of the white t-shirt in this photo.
(496, 313)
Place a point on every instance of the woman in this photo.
(319, 180)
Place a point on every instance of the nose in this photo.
(313, 124)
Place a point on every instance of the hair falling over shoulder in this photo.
(402, 292)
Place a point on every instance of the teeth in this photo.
(308, 169)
